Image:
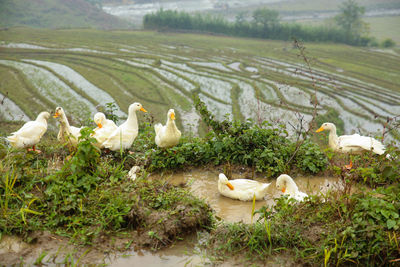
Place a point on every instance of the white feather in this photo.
(126, 133)
(289, 187)
(30, 133)
(67, 133)
(243, 189)
(351, 143)
(107, 128)
(168, 135)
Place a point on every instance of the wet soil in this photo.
(122, 251)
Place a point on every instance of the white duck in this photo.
(168, 135)
(104, 128)
(242, 189)
(286, 184)
(67, 133)
(352, 144)
(30, 133)
(126, 133)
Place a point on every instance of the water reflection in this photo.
(183, 253)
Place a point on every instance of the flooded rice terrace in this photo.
(203, 184)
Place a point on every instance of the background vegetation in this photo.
(265, 23)
(57, 14)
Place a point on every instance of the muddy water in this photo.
(183, 253)
(203, 184)
(14, 251)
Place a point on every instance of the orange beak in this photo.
(56, 115)
(142, 109)
(99, 125)
(283, 190)
(230, 186)
(172, 116)
(320, 129)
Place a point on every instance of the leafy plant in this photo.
(264, 147)
(110, 111)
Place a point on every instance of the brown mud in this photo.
(163, 227)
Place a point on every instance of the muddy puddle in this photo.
(57, 252)
(204, 184)
(182, 253)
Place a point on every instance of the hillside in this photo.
(261, 80)
(56, 14)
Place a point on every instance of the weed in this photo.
(265, 148)
(368, 227)
(40, 258)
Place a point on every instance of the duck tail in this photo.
(265, 187)
(11, 138)
(378, 147)
(157, 127)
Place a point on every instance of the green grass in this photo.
(88, 196)
(381, 27)
(328, 231)
(56, 14)
(385, 27)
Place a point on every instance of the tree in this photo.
(266, 17)
(349, 19)
(387, 43)
(241, 17)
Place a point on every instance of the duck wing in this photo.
(31, 129)
(364, 142)
(247, 184)
(158, 127)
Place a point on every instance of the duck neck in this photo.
(171, 126)
(65, 121)
(132, 119)
(64, 126)
(333, 138)
(41, 120)
(292, 188)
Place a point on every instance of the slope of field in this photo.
(82, 69)
(385, 27)
(56, 14)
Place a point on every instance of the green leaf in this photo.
(390, 224)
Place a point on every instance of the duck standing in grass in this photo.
(30, 133)
(125, 134)
(104, 128)
(67, 133)
(168, 135)
(242, 189)
(286, 184)
(351, 144)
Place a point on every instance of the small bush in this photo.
(388, 43)
(265, 148)
(359, 229)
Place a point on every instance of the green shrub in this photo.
(265, 148)
(388, 43)
(359, 229)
